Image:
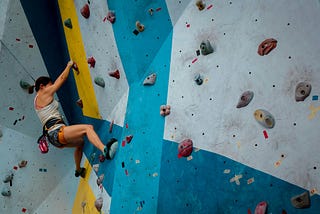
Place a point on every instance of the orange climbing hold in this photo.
(85, 11)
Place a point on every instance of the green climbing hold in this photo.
(68, 23)
(99, 81)
(24, 85)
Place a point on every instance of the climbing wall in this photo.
(203, 56)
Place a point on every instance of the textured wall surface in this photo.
(235, 164)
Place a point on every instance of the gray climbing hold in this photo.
(24, 85)
(8, 178)
(6, 192)
(245, 99)
(98, 203)
(113, 149)
(198, 79)
(99, 81)
(68, 23)
(301, 201)
(206, 48)
(303, 90)
(100, 179)
(150, 80)
(264, 118)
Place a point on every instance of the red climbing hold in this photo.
(111, 126)
(92, 62)
(185, 148)
(129, 138)
(11, 108)
(266, 46)
(111, 17)
(261, 208)
(115, 74)
(85, 11)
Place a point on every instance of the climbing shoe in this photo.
(110, 149)
(81, 172)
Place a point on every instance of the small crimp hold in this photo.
(22, 163)
(301, 201)
(85, 11)
(129, 138)
(91, 61)
(99, 81)
(150, 80)
(264, 118)
(8, 178)
(80, 103)
(165, 110)
(267, 46)
(115, 74)
(261, 208)
(185, 148)
(200, 4)
(198, 79)
(98, 203)
(245, 99)
(76, 68)
(206, 48)
(68, 23)
(111, 17)
(303, 90)
(151, 11)
(139, 26)
(6, 192)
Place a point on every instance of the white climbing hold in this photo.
(100, 179)
(150, 80)
(165, 110)
(98, 203)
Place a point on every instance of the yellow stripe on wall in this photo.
(84, 200)
(78, 55)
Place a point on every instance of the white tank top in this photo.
(48, 112)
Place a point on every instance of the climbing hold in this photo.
(301, 201)
(266, 46)
(68, 23)
(8, 178)
(198, 79)
(85, 11)
(185, 148)
(98, 203)
(76, 68)
(22, 163)
(303, 90)
(139, 26)
(129, 138)
(113, 148)
(24, 85)
(206, 48)
(261, 208)
(91, 61)
(111, 126)
(99, 81)
(115, 74)
(100, 179)
(151, 11)
(165, 110)
(245, 99)
(150, 80)
(1, 134)
(6, 191)
(200, 4)
(264, 118)
(79, 103)
(111, 17)
(102, 158)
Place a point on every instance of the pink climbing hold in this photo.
(91, 61)
(85, 11)
(111, 17)
(261, 208)
(115, 74)
(185, 148)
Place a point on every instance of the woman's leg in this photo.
(74, 133)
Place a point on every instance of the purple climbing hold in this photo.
(245, 99)
(185, 148)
